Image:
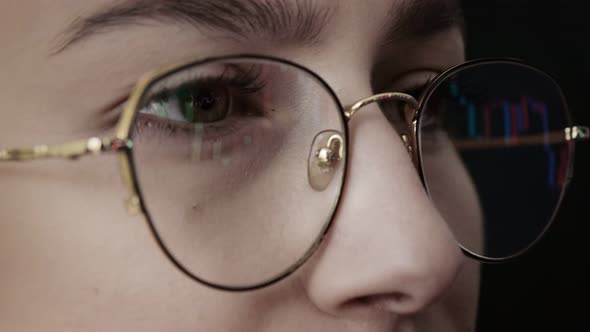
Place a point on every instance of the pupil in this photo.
(205, 100)
(202, 104)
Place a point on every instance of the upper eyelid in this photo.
(173, 81)
(225, 73)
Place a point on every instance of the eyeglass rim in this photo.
(129, 165)
(433, 86)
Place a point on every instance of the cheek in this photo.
(65, 237)
(72, 256)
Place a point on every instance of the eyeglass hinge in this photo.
(116, 144)
(577, 133)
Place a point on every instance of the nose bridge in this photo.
(408, 134)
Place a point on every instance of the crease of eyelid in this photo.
(301, 21)
(109, 116)
(420, 80)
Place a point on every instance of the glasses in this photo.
(238, 163)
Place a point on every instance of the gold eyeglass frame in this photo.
(122, 143)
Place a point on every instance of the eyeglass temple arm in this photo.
(575, 133)
(70, 150)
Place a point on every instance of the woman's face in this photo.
(74, 260)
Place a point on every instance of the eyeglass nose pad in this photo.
(410, 145)
(326, 155)
(409, 136)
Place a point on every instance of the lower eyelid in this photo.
(157, 126)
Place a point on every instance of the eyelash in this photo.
(241, 86)
(246, 82)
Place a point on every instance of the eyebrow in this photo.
(298, 22)
(422, 18)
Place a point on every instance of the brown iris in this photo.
(203, 104)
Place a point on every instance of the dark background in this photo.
(548, 288)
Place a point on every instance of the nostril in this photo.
(393, 302)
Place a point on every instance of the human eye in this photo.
(218, 102)
(231, 113)
(413, 84)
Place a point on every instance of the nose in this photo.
(388, 249)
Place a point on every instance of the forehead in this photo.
(70, 21)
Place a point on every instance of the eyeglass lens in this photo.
(222, 153)
(493, 149)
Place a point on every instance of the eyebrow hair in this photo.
(298, 21)
(421, 18)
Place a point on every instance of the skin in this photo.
(73, 259)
